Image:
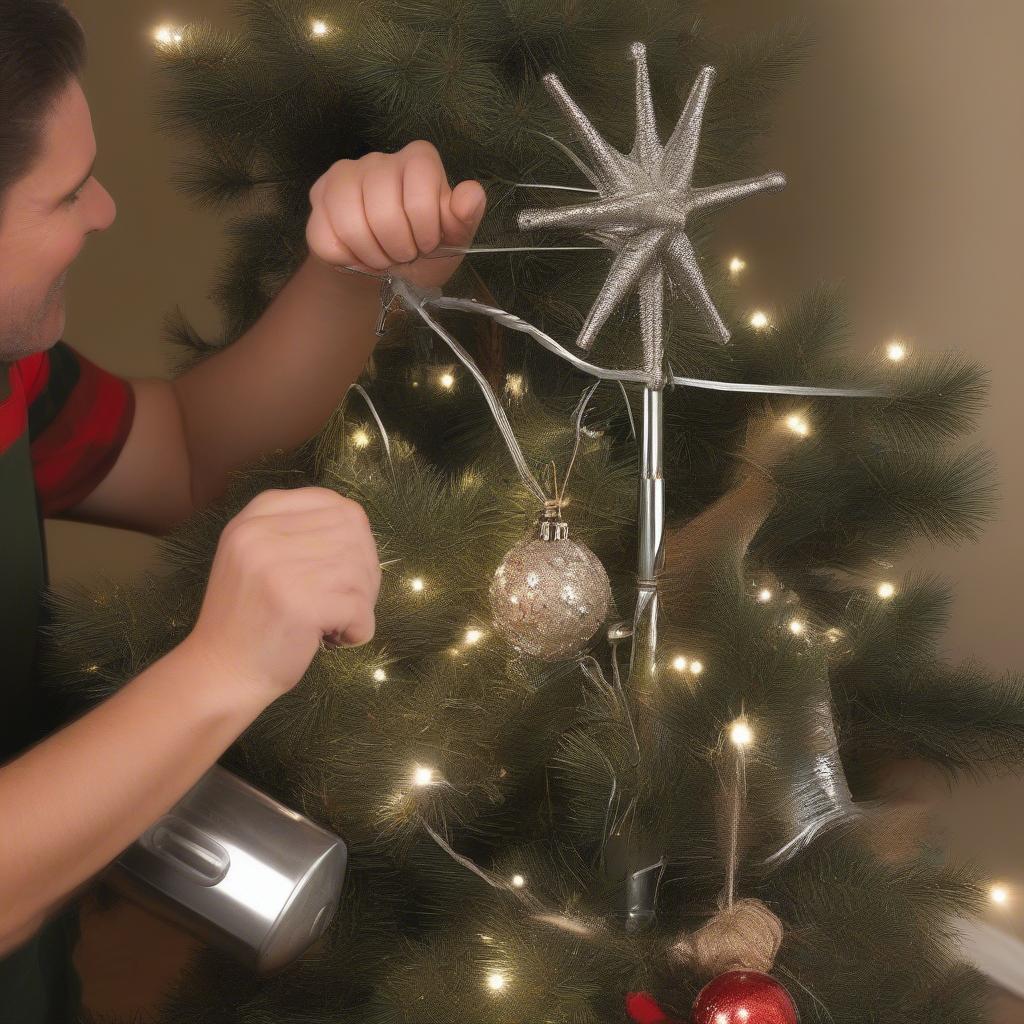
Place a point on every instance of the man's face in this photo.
(43, 228)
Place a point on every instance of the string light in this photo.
(473, 635)
(796, 627)
(999, 894)
(740, 733)
(168, 35)
(696, 667)
(514, 385)
(759, 320)
(764, 596)
(423, 776)
(834, 635)
(417, 584)
(896, 351)
(518, 881)
(798, 425)
(379, 675)
(679, 663)
(736, 265)
(93, 668)
(447, 381)
(320, 28)
(886, 590)
(496, 981)
(361, 439)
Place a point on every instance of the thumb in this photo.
(461, 212)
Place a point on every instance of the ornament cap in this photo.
(551, 525)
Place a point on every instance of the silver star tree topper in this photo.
(645, 199)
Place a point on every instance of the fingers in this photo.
(348, 622)
(461, 211)
(384, 207)
(423, 181)
(275, 500)
(336, 557)
(344, 601)
(389, 209)
(343, 202)
(322, 240)
(320, 528)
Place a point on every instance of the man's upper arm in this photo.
(149, 487)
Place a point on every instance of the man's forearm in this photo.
(75, 800)
(277, 384)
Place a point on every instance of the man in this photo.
(77, 442)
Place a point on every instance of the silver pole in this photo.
(651, 541)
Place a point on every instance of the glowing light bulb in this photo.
(796, 627)
(696, 667)
(496, 982)
(423, 776)
(360, 439)
(518, 881)
(416, 584)
(447, 381)
(473, 635)
(999, 894)
(740, 733)
(93, 668)
(834, 635)
(379, 675)
(514, 386)
(886, 590)
(896, 351)
(798, 425)
(736, 265)
(320, 28)
(759, 320)
(679, 663)
(764, 596)
(167, 35)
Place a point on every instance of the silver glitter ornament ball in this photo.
(550, 594)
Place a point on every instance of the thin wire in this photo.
(564, 188)
(538, 910)
(738, 797)
(495, 406)
(416, 298)
(380, 425)
(581, 409)
(587, 173)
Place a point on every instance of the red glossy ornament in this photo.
(744, 997)
(643, 1009)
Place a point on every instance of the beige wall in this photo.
(903, 143)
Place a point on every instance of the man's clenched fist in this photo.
(293, 567)
(386, 209)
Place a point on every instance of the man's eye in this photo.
(75, 196)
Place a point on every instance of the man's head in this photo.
(49, 201)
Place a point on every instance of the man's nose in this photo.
(106, 210)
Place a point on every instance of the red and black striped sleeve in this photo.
(79, 416)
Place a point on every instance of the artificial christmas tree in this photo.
(537, 832)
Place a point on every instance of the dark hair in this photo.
(42, 48)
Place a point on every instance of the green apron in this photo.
(38, 981)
